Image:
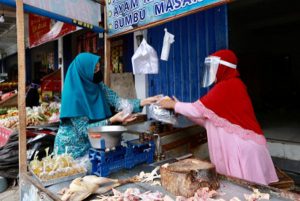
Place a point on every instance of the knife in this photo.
(171, 160)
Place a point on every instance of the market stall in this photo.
(9, 99)
(131, 167)
(230, 189)
(11, 120)
(155, 180)
(8, 96)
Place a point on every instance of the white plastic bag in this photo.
(125, 106)
(145, 60)
(162, 115)
(168, 40)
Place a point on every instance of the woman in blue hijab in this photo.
(86, 103)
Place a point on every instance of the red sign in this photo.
(43, 29)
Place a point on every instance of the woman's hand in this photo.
(168, 103)
(150, 100)
(119, 117)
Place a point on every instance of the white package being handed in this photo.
(145, 60)
(160, 114)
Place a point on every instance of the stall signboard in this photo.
(43, 29)
(83, 13)
(128, 15)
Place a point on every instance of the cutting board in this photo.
(185, 177)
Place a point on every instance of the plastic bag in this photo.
(145, 60)
(160, 114)
(168, 40)
(125, 106)
(85, 162)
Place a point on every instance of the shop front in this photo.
(148, 162)
(267, 46)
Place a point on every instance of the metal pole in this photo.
(21, 91)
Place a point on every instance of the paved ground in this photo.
(11, 194)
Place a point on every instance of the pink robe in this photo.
(235, 151)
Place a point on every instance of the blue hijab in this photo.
(81, 96)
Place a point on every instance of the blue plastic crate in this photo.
(134, 153)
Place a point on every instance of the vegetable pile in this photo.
(35, 116)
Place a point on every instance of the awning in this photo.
(80, 13)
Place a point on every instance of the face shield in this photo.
(210, 70)
(209, 73)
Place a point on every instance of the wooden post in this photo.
(21, 89)
(61, 60)
(107, 43)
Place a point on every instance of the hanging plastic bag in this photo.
(145, 60)
(168, 40)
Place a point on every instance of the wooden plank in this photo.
(285, 182)
(275, 193)
(107, 49)
(41, 188)
(21, 87)
(184, 141)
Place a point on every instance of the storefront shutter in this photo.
(196, 36)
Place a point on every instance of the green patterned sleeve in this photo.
(97, 124)
(136, 105)
(113, 99)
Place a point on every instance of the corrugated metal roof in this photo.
(8, 34)
(8, 30)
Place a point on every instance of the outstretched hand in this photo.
(119, 117)
(150, 100)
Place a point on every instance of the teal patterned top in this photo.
(73, 134)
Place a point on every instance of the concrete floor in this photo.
(11, 194)
(282, 130)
